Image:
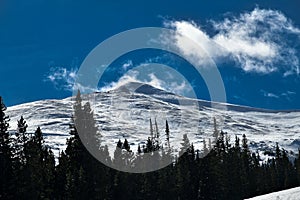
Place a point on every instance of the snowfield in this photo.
(290, 194)
(123, 113)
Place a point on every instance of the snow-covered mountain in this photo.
(290, 194)
(125, 113)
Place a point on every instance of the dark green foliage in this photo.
(6, 161)
(38, 171)
(167, 134)
(139, 149)
(28, 169)
(21, 140)
(126, 145)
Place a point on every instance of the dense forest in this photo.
(228, 171)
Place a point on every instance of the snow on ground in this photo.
(290, 194)
(122, 113)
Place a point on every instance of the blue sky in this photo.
(255, 45)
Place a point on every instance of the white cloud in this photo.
(288, 94)
(272, 95)
(258, 41)
(127, 64)
(62, 78)
(171, 83)
(269, 94)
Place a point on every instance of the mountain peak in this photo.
(142, 88)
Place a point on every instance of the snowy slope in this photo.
(290, 194)
(125, 113)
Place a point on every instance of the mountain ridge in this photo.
(124, 113)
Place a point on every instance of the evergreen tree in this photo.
(156, 129)
(216, 131)
(246, 162)
(6, 162)
(237, 144)
(167, 134)
(90, 132)
(139, 149)
(120, 144)
(39, 170)
(77, 155)
(186, 190)
(117, 158)
(149, 146)
(61, 177)
(185, 145)
(297, 164)
(227, 172)
(205, 149)
(21, 139)
(126, 145)
(151, 130)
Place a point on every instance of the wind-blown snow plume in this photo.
(172, 82)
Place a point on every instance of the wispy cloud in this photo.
(165, 80)
(62, 78)
(287, 94)
(127, 64)
(260, 41)
(269, 94)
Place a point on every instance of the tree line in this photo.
(228, 171)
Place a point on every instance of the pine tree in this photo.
(39, 170)
(216, 131)
(297, 165)
(245, 147)
(184, 172)
(20, 143)
(22, 127)
(78, 157)
(139, 151)
(167, 134)
(185, 145)
(205, 149)
(246, 161)
(21, 139)
(278, 152)
(6, 163)
(149, 146)
(151, 130)
(157, 140)
(60, 178)
(83, 123)
(117, 158)
(90, 132)
(156, 129)
(237, 144)
(126, 145)
(220, 144)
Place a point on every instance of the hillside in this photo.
(125, 113)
